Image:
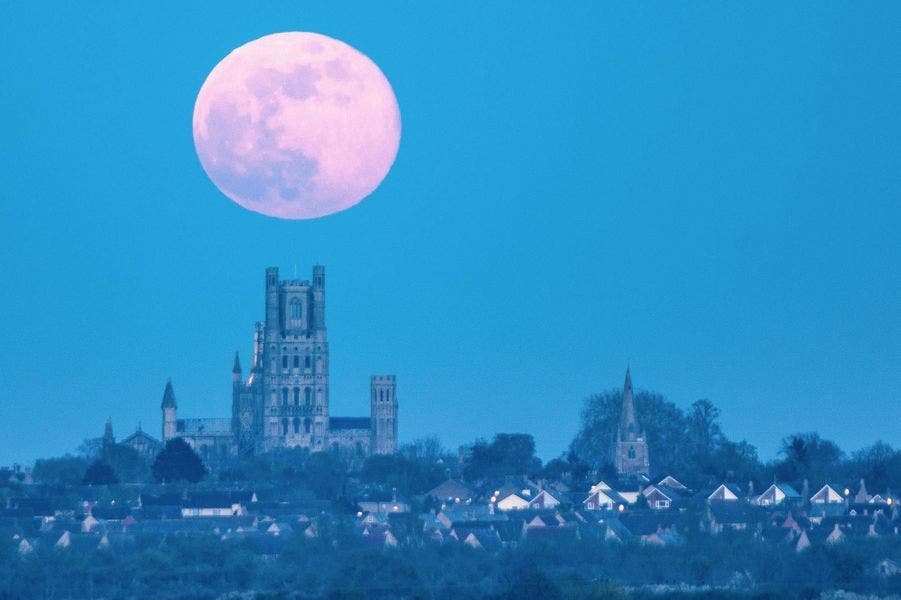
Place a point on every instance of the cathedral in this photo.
(284, 401)
(630, 448)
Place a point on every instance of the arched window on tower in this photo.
(306, 425)
(296, 425)
(296, 310)
(307, 396)
(306, 362)
(381, 395)
(296, 361)
(284, 362)
(284, 426)
(285, 396)
(631, 452)
(296, 396)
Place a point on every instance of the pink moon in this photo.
(296, 125)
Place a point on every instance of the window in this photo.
(296, 425)
(296, 361)
(307, 396)
(662, 503)
(632, 452)
(284, 426)
(296, 397)
(285, 396)
(296, 310)
(306, 425)
(306, 362)
(284, 362)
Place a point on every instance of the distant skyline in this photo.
(708, 194)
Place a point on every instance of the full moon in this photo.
(296, 125)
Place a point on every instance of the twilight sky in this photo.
(711, 195)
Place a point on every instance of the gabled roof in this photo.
(452, 489)
(140, 434)
(672, 483)
(725, 491)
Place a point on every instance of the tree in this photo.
(64, 471)
(178, 462)
(126, 462)
(879, 464)
(507, 454)
(326, 475)
(807, 456)
(690, 445)
(664, 424)
(704, 433)
(100, 473)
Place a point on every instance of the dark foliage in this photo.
(507, 454)
(178, 462)
(100, 473)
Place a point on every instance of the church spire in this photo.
(628, 426)
(168, 396)
(237, 368)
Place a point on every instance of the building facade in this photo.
(630, 448)
(284, 400)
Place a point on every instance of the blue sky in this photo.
(707, 192)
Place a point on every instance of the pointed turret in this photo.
(236, 371)
(169, 412)
(108, 439)
(168, 396)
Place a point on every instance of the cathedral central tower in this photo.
(284, 403)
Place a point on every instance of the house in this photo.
(777, 494)
(727, 514)
(827, 495)
(600, 499)
(452, 492)
(512, 502)
(544, 500)
(648, 526)
(887, 568)
(802, 542)
(728, 492)
(383, 504)
(214, 504)
(659, 497)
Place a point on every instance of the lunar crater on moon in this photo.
(296, 125)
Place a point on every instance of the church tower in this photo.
(383, 389)
(630, 450)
